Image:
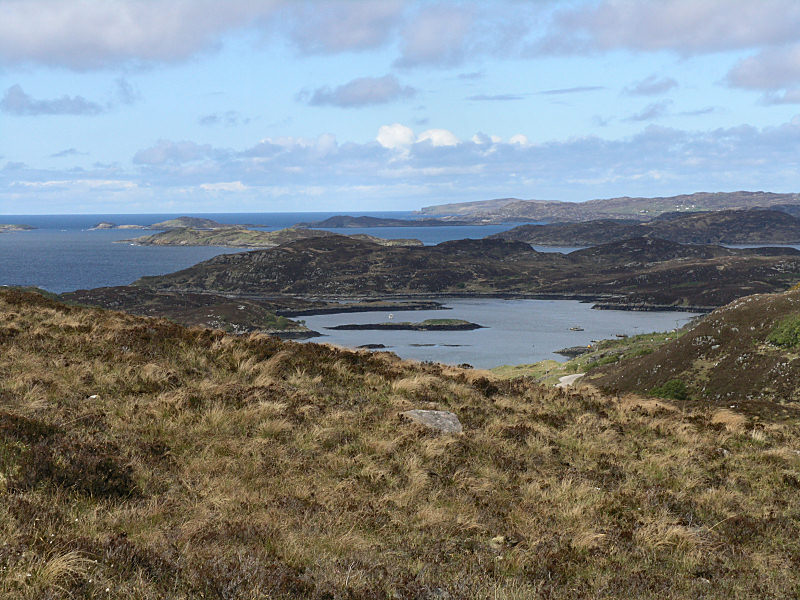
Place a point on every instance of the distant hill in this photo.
(745, 354)
(238, 237)
(752, 226)
(346, 221)
(506, 210)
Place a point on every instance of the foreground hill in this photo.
(512, 209)
(754, 226)
(240, 237)
(639, 271)
(744, 354)
(140, 460)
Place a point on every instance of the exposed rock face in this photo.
(441, 420)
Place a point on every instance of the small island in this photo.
(9, 227)
(427, 325)
(108, 225)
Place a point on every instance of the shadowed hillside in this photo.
(140, 459)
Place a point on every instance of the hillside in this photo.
(638, 271)
(506, 210)
(140, 460)
(239, 237)
(743, 354)
(204, 310)
(752, 226)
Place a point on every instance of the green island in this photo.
(426, 325)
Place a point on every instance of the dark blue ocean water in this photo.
(63, 255)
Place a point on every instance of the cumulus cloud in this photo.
(684, 26)
(785, 97)
(438, 137)
(17, 102)
(363, 91)
(655, 161)
(651, 86)
(395, 136)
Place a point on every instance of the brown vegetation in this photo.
(140, 459)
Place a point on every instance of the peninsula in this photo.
(239, 237)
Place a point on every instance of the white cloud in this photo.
(684, 26)
(439, 137)
(88, 34)
(166, 151)
(395, 136)
(519, 140)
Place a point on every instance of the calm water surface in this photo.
(517, 331)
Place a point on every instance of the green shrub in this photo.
(786, 334)
(674, 389)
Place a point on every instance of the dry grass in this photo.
(191, 464)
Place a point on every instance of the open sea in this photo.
(62, 254)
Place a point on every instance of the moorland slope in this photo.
(140, 459)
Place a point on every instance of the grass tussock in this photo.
(143, 460)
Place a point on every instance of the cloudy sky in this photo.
(276, 105)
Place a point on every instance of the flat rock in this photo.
(441, 420)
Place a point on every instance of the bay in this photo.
(516, 331)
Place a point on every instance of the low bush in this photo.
(674, 389)
(786, 334)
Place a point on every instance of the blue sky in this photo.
(276, 105)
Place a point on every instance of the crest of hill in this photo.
(752, 226)
(624, 207)
(729, 357)
(168, 462)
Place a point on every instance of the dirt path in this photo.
(568, 380)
